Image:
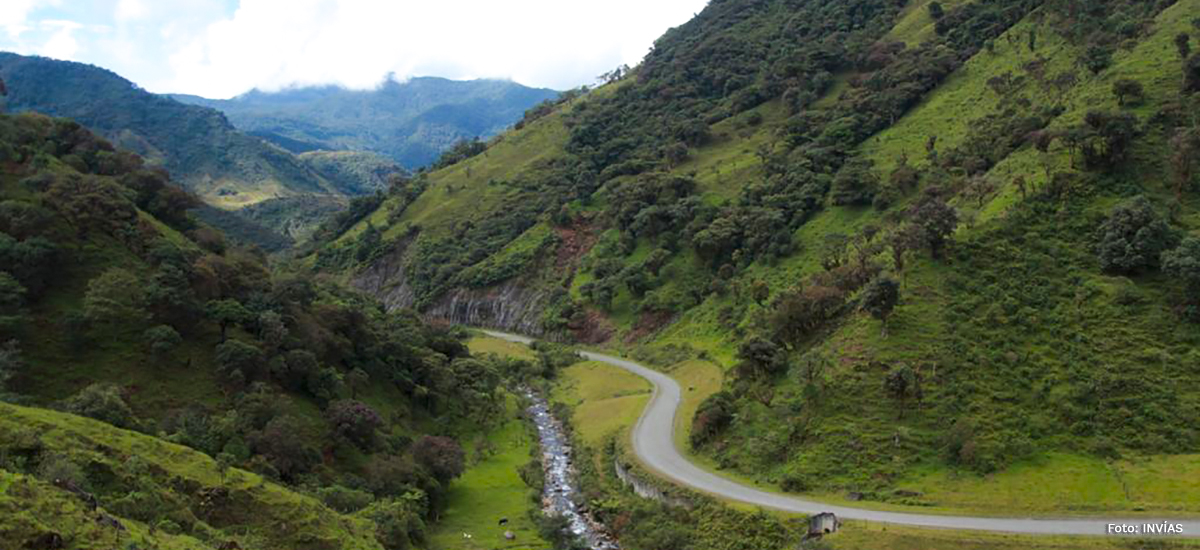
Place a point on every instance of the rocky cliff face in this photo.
(508, 306)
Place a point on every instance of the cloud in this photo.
(221, 48)
(131, 10)
(62, 43)
(14, 16)
(553, 43)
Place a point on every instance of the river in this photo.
(559, 497)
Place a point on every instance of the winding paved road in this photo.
(653, 442)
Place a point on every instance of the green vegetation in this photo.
(951, 240)
(120, 307)
(937, 254)
(158, 490)
(492, 489)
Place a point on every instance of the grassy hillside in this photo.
(410, 122)
(160, 492)
(969, 176)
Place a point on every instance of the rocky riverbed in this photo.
(561, 491)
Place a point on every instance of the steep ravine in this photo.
(508, 306)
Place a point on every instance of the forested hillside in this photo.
(410, 122)
(925, 239)
(202, 151)
(231, 404)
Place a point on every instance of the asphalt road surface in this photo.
(654, 444)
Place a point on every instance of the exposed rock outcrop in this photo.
(509, 306)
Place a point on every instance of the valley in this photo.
(930, 265)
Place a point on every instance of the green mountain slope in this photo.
(226, 168)
(754, 192)
(411, 122)
(118, 305)
(196, 145)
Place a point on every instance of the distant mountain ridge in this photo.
(411, 122)
(201, 149)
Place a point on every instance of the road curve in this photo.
(654, 444)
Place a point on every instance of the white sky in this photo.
(220, 48)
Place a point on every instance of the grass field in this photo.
(605, 399)
(491, 489)
(486, 344)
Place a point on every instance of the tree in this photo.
(1133, 237)
(277, 442)
(898, 384)
(354, 421)
(937, 220)
(357, 380)
(1191, 74)
(1185, 153)
(31, 262)
(293, 369)
(879, 298)
(1128, 92)
(227, 313)
(91, 203)
(759, 291)
(936, 11)
(798, 313)
(10, 363)
(712, 416)
(370, 240)
(762, 357)
(1097, 57)
(272, 330)
(115, 297)
(855, 184)
(442, 456)
(1105, 138)
(1183, 263)
(161, 340)
(656, 260)
(1183, 44)
(902, 240)
(12, 302)
(238, 361)
(225, 461)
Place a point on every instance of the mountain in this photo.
(941, 251)
(173, 390)
(410, 122)
(226, 168)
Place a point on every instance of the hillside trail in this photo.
(654, 445)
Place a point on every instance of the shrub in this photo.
(354, 421)
(1133, 237)
(712, 416)
(162, 339)
(344, 499)
(442, 456)
(103, 402)
(284, 451)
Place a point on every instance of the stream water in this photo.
(558, 497)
